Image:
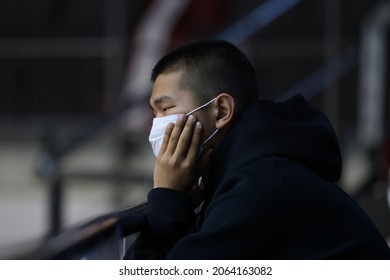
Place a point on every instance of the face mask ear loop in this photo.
(204, 105)
(211, 136)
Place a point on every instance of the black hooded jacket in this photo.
(271, 196)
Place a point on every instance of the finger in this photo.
(193, 150)
(175, 135)
(167, 136)
(186, 137)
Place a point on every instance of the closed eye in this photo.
(167, 108)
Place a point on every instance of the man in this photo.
(265, 170)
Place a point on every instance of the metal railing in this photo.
(105, 237)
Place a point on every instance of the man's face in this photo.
(169, 98)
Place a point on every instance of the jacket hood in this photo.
(290, 129)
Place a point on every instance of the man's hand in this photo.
(177, 165)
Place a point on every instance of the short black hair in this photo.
(210, 68)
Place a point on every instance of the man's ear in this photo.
(225, 106)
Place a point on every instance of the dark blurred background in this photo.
(74, 78)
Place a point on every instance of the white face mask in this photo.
(159, 125)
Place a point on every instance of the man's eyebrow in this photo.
(162, 99)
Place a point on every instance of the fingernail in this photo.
(198, 125)
(181, 117)
(191, 118)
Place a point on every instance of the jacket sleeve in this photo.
(168, 216)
